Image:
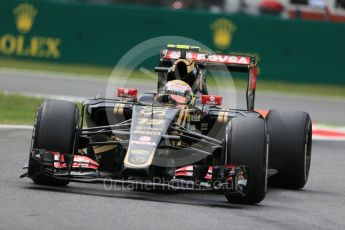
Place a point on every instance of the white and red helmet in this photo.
(179, 91)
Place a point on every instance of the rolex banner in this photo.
(80, 33)
(20, 36)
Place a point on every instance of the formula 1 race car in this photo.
(177, 138)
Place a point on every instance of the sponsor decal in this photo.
(211, 100)
(143, 143)
(148, 111)
(127, 93)
(213, 58)
(137, 160)
(223, 32)
(140, 152)
(24, 45)
(145, 138)
(195, 117)
(149, 128)
(143, 132)
(204, 126)
(227, 59)
(147, 121)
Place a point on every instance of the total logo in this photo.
(145, 138)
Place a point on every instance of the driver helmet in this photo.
(178, 91)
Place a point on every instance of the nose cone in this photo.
(148, 125)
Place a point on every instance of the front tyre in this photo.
(54, 130)
(247, 145)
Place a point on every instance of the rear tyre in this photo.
(247, 144)
(54, 130)
(290, 135)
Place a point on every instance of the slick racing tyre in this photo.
(55, 130)
(247, 145)
(290, 134)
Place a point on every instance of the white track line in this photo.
(320, 138)
(15, 126)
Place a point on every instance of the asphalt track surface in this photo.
(23, 205)
(320, 205)
(325, 110)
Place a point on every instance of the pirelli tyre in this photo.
(290, 134)
(247, 145)
(55, 130)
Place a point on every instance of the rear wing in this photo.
(234, 63)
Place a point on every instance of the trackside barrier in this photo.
(75, 33)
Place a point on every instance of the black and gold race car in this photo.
(178, 138)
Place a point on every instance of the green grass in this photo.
(16, 109)
(105, 72)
